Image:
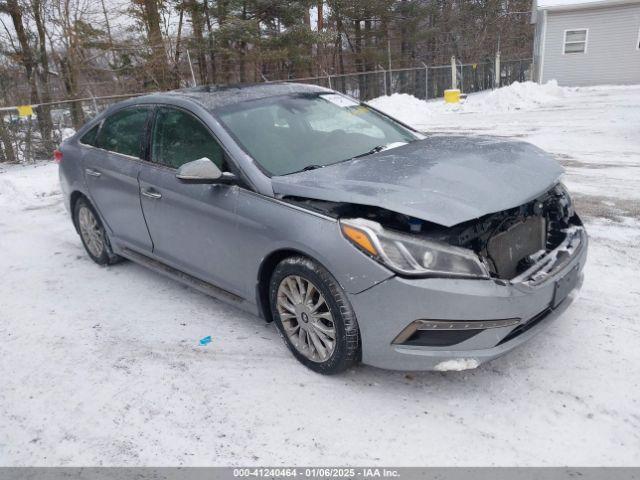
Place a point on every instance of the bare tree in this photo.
(26, 57)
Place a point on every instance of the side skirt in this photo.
(193, 282)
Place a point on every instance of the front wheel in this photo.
(314, 316)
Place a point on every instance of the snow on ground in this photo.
(101, 366)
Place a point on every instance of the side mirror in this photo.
(203, 170)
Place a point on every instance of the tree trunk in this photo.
(7, 154)
(243, 47)
(45, 123)
(223, 6)
(320, 46)
(362, 81)
(69, 79)
(210, 42)
(309, 62)
(176, 60)
(158, 55)
(197, 24)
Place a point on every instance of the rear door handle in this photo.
(150, 193)
(92, 172)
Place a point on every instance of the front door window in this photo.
(179, 138)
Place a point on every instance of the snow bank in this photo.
(517, 96)
(405, 107)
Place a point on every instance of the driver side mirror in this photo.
(203, 170)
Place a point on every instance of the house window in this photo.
(575, 41)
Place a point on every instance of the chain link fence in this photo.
(425, 82)
(21, 138)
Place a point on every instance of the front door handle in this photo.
(150, 193)
(92, 172)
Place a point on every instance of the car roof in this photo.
(213, 97)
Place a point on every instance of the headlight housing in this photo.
(409, 255)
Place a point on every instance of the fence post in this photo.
(496, 81)
(328, 77)
(426, 81)
(454, 80)
(384, 78)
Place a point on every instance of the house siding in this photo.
(612, 55)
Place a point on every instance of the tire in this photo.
(92, 233)
(307, 332)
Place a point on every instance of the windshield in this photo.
(287, 134)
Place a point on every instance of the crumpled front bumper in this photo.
(388, 308)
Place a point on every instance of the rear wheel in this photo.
(314, 316)
(93, 235)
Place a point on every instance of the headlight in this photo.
(565, 199)
(410, 255)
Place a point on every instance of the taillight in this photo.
(57, 156)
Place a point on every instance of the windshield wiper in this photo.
(308, 167)
(375, 149)
(311, 167)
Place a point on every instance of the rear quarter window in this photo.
(91, 136)
(124, 131)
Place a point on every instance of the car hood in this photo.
(442, 179)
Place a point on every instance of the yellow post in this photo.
(452, 96)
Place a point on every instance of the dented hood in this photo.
(442, 179)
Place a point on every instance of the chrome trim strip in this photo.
(465, 325)
(446, 325)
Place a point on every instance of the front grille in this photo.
(509, 248)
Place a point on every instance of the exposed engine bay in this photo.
(509, 242)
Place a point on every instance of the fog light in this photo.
(452, 326)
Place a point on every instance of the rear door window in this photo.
(178, 138)
(124, 131)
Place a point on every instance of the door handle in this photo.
(92, 172)
(151, 194)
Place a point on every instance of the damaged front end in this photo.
(525, 244)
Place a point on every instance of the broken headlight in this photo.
(411, 255)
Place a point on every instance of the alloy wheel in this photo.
(91, 231)
(306, 318)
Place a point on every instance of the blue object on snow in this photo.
(205, 340)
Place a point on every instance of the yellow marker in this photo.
(25, 111)
(452, 96)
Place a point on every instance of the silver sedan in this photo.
(362, 239)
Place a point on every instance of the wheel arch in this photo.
(73, 200)
(265, 271)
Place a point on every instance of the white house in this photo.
(587, 42)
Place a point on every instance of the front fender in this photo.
(267, 225)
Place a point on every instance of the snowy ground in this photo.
(101, 366)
